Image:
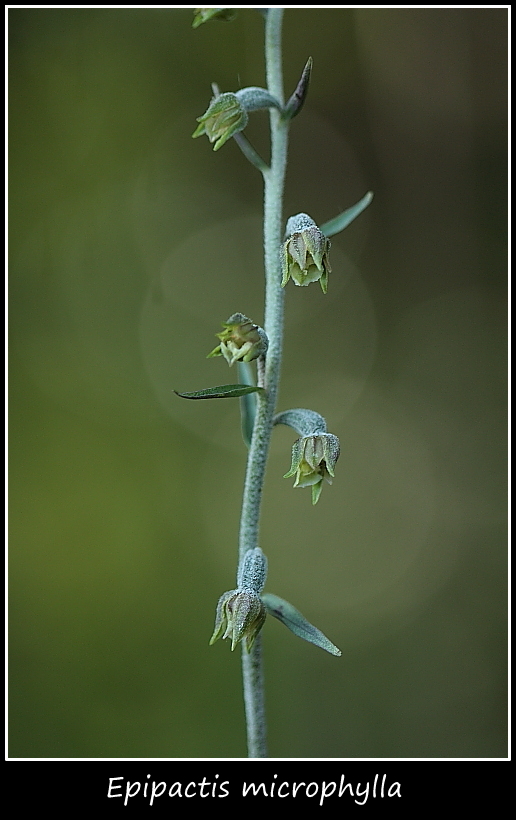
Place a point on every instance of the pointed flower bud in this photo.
(305, 253)
(203, 15)
(240, 616)
(313, 459)
(225, 116)
(297, 100)
(241, 340)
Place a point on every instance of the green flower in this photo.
(241, 340)
(305, 253)
(225, 117)
(203, 15)
(313, 460)
(240, 615)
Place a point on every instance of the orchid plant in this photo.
(298, 252)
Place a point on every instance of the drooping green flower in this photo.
(203, 15)
(241, 340)
(240, 616)
(305, 253)
(313, 460)
(225, 117)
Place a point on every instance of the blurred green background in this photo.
(129, 245)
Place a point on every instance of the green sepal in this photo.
(221, 617)
(338, 223)
(297, 623)
(222, 391)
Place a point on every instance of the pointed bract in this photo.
(297, 623)
(297, 100)
(345, 218)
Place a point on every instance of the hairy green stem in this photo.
(274, 179)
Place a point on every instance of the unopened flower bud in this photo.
(313, 459)
(240, 616)
(241, 340)
(305, 253)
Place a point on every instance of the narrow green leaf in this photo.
(338, 223)
(222, 391)
(247, 402)
(297, 623)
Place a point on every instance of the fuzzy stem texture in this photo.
(274, 180)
